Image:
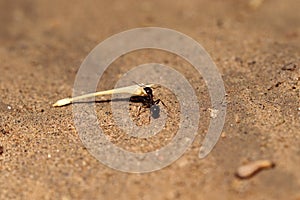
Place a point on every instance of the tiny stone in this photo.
(213, 113)
(223, 135)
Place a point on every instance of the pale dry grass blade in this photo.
(133, 90)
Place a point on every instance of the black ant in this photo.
(148, 102)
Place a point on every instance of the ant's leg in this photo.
(158, 101)
(140, 111)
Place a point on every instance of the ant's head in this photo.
(148, 90)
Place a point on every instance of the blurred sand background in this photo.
(255, 44)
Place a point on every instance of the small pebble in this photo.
(248, 170)
(213, 113)
(223, 135)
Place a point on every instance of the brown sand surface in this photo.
(256, 46)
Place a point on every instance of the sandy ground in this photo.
(255, 46)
